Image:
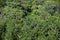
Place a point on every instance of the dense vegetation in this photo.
(29, 20)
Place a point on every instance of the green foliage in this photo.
(2, 3)
(29, 20)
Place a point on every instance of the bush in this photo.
(30, 20)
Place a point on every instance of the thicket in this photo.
(29, 20)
